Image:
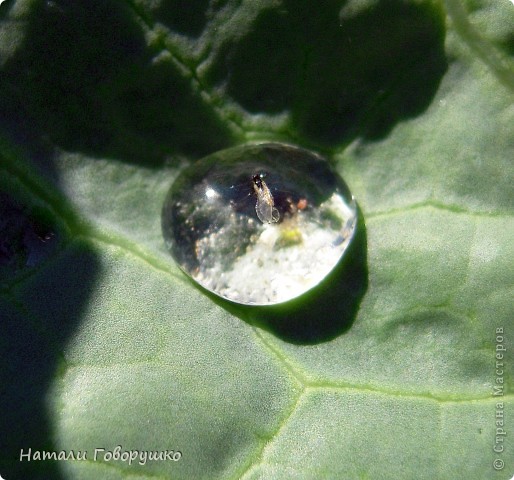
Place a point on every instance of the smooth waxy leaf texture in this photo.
(388, 371)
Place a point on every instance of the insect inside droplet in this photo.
(259, 224)
(265, 206)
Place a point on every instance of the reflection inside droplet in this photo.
(259, 224)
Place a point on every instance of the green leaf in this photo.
(391, 372)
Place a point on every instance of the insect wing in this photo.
(264, 209)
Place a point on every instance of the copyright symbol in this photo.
(498, 464)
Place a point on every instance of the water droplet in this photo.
(259, 224)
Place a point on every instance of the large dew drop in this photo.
(259, 224)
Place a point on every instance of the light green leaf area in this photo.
(407, 371)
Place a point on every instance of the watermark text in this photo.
(117, 454)
(498, 392)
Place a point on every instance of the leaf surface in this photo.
(105, 342)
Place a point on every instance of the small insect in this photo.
(265, 206)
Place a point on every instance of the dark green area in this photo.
(339, 76)
(86, 81)
(32, 337)
(27, 238)
(188, 17)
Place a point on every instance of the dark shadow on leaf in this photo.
(187, 17)
(37, 316)
(508, 44)
(321, 314)
(5, 7)
(18, 136)
(87, 82)
(341, 72)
